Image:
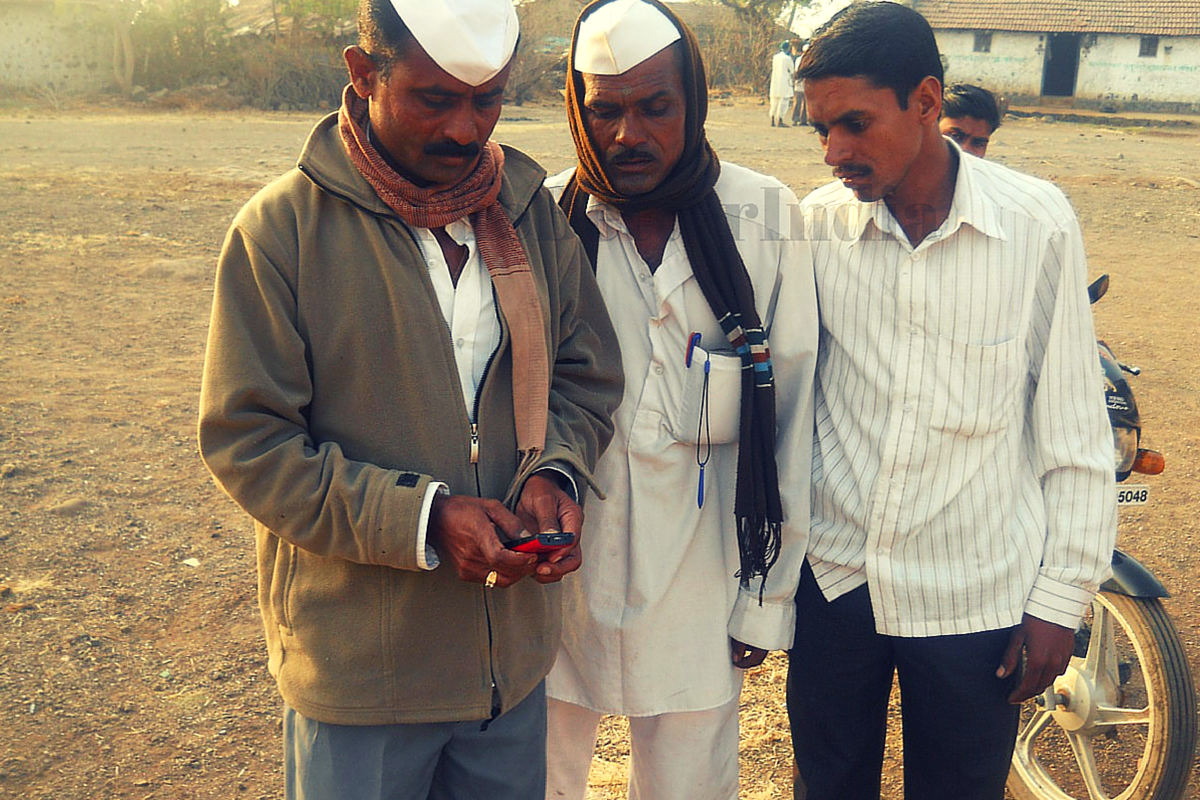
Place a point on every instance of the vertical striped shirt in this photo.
(963, 459)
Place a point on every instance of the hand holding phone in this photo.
(541, 543)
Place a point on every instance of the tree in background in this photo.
(181, 42)
(120, 15)
(540, 66)
(740, 55)
(287, 53)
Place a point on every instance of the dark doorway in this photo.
(1062, 64)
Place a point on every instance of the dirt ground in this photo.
(132, 661)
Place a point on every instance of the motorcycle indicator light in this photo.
(1149, 462)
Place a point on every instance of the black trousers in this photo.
(959, 729)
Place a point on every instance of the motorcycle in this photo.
(1120, 723)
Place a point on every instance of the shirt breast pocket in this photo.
(977, 388)
(722, 409)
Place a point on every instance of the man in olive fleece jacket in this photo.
(358, 403)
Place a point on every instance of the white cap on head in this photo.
(618, 36)
(470, 39)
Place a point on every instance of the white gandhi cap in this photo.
(470, 39)
(618, 36)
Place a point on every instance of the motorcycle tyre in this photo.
(1171, 733)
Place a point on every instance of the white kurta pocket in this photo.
(723, 414)
(974, 390)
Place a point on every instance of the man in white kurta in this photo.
(783, 85)
(651, 616)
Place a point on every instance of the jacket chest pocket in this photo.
(977, 388)
(712, 416)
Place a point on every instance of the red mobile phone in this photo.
(541, 542)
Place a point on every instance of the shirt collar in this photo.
(974, 200)
(606, 218)
(675, 268)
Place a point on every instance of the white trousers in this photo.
(780, 106)
(689, 755)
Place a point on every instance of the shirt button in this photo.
(461, 343)
(658, 369)
(914, 330)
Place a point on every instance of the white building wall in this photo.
(1111, 69)
(1013, 67)
(41, 48)
(1109, 66)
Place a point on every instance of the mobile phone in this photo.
(541, 542)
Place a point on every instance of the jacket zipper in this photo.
(475, 401)
(487, 610)
(474, 460)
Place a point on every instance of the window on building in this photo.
(983, 41)
(1149, 47)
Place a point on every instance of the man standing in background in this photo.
(783, 84)
(800, 107)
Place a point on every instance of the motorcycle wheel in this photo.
(1125, 726)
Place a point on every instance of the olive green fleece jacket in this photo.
(330, 400)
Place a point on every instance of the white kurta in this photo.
(783, 83)
(648, 617)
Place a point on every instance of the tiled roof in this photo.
(1144, 17)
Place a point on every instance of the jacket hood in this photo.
(325, 162)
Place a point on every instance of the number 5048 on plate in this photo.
(1135, 494)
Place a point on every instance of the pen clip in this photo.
(693, 341)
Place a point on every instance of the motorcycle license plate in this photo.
(1134, 494)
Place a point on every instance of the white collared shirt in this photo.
(963, 459)
(469, 308)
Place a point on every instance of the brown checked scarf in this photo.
(721, 274)
(476, 197)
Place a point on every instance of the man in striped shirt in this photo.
(963, 504)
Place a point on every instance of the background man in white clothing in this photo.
(963, 505)
(783, 84)
(692, 560)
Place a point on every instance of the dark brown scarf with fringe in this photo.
(721, 274)
(475, 196)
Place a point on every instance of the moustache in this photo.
(632, 156)
(852, 171)
(451, 149)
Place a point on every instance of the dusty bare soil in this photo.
(131, 662)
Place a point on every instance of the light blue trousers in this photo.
(431, 761)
